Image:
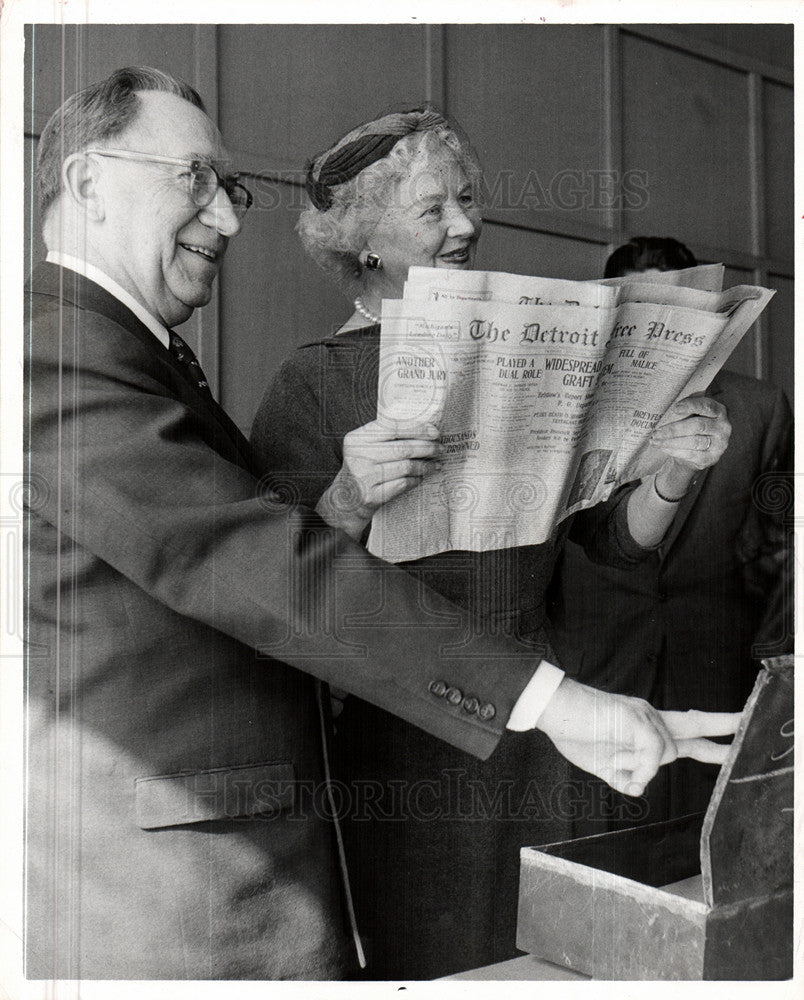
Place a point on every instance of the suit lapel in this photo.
(67, 285)
(691, 498)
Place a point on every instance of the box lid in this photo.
(747, 836)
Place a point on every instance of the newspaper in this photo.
(706, 277)
(545, 391)
(434, 284)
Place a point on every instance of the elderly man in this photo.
(177, 618)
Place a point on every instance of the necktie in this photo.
(182, 353)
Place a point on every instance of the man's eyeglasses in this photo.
(204, 179)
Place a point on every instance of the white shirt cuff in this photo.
(534, 698)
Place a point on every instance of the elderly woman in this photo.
(433, 836)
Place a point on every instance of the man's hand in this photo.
(689, 728)
(381, 460)
(625, 740)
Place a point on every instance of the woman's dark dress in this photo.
(432, 834)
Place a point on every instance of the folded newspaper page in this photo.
(706, 277)
(545, 391)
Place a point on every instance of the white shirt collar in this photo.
(159, 330)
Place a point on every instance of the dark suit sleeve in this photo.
(603, 532)
(765, 541)
(124, 471)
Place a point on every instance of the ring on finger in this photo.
(708, 442)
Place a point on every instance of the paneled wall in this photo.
(589, 134)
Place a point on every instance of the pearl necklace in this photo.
(364, 312)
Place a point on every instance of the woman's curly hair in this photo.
(335, 234)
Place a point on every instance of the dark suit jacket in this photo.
(683, 629)
(175, 614)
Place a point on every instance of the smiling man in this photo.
(124, 212)
(178, 617)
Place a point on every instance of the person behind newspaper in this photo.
(436, 867)
(687, 627)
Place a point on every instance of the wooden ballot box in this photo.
(706, 896)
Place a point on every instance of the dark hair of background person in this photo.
(641, 253)
(94, 114)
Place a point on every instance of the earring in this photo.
(371, 261)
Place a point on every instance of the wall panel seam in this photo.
(711, 52)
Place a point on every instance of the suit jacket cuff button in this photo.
(454, 696)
